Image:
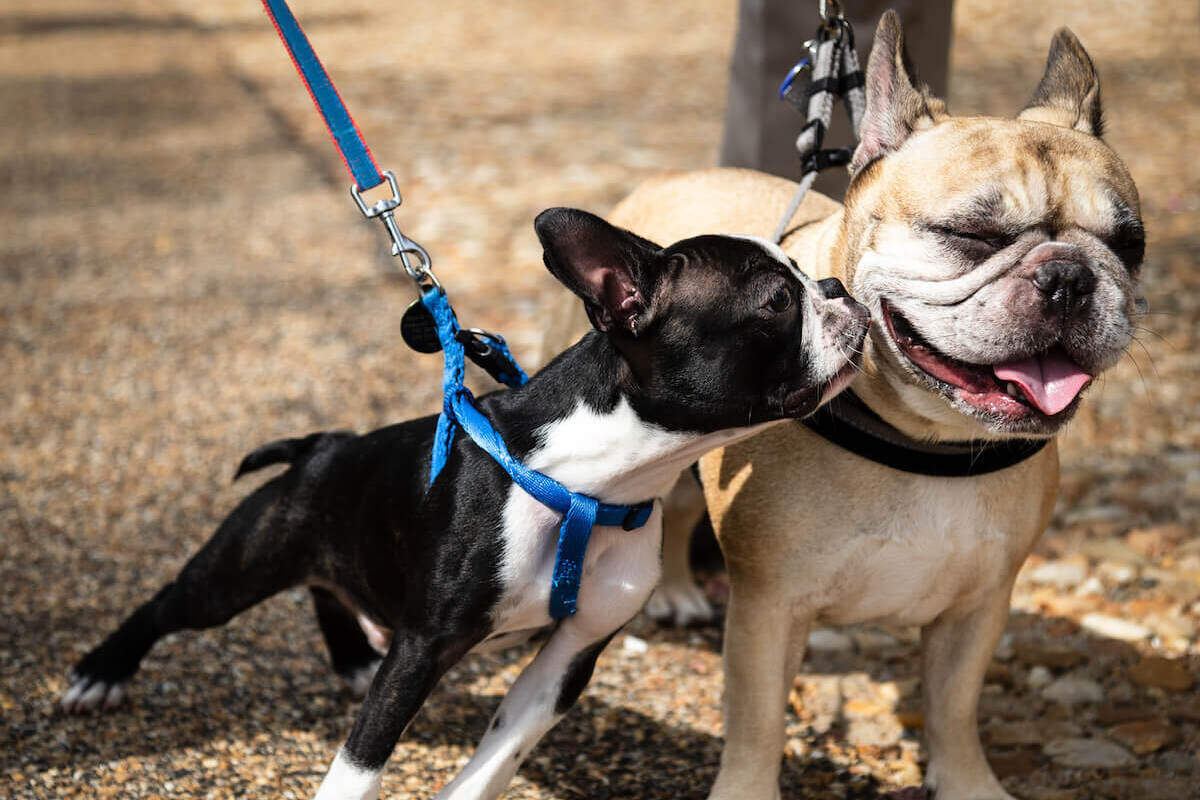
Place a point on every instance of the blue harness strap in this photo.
(579, 511)
(568, 560)
(325, 95)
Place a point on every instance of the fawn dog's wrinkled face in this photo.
(1001, 257)
(717, 331)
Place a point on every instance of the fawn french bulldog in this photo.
(1000, 259)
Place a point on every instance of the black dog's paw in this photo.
(87, 693)
(97, 683)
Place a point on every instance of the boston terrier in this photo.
(694, 346)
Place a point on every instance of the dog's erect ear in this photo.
(897, 103)
(603, 264)
(1069, 92)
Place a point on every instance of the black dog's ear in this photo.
(1069, 92)
(603, 264)
(897, 102)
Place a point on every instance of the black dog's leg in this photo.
(412, 667)
(236, 569)
(351, 654)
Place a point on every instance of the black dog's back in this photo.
(356, 512)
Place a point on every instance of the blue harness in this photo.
(580, 512)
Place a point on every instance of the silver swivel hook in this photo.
(831, 12)
(402, 246)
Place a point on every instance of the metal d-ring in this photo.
(383, 206)
(480, 338)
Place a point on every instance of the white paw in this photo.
(359, 681)
(86, 694)
(682, 603)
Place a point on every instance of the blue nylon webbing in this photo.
(580, 512)
(325, 95)
(568, 560)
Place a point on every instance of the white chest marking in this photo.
(618, 458)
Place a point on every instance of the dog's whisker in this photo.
(1138, 367)
(842, 349)
(1149, 357)
(1155, 334)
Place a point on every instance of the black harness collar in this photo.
(850, 424)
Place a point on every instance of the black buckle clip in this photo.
(480, 347)
(823, 159)
(630, 522)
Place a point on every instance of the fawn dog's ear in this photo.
(1069, 92)
(897, 103)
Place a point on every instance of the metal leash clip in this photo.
(834, 25)
(402, 246)
(831, 14)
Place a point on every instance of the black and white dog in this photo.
(695, 346)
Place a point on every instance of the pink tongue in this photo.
(1051, 380)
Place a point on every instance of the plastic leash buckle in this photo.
(489, 351)
(824, 159)
(631, 521)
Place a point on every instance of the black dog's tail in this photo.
(284, 451)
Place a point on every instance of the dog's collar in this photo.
(850, 424)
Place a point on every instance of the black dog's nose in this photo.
(1064, 283)
(832, 288)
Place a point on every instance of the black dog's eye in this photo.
(1128, 242)
(780, 301)
(1131, 252)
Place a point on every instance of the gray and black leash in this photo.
(834, 73)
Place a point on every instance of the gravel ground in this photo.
(184, 278)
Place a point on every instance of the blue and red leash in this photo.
(580, 512)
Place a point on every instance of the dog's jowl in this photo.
(694, 346)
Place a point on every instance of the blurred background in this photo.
(183, 277)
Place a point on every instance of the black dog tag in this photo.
(418, 329)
